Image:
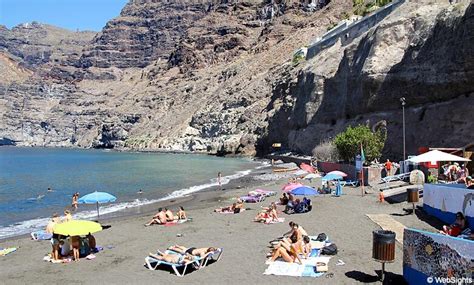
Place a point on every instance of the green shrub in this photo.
(348, 143)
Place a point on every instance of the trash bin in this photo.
(412, 195)
(383, 246)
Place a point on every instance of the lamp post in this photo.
(402, 100)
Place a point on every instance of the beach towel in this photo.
(8, 250)
(41, 235)
(272, 221)
(307, 269)
(174, 223)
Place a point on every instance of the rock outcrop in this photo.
(217, 77)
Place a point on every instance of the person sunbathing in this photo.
(269, 214)
(169, 215)
(284, 199)
(302, 246)
(235, 208)
(181, 214)
(201, 252)
(173, 258)
(159, 218)
(290, 255)
(455, 229)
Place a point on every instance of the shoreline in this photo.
(245, 242)
(150, 206)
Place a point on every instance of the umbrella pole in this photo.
(97, 211)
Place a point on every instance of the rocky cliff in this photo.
(217, 77)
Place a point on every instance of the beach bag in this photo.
(84, 249)
(322, 237)
(321, 267)
(329, 250)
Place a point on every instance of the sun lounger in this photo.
(397, 177)
(41, 235)
(213, 255)
(267, 193)
(253, 199)
(352, 183)
(149, 260)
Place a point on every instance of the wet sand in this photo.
(245, 242)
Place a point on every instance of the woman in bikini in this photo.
(290, 255)
(192, 250)
(181, 215)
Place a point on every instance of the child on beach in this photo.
(67, 216)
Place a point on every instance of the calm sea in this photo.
(26, 174)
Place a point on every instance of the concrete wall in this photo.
(348, 33)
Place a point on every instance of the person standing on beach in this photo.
(388, 167)
(75, 197)
(219, 176)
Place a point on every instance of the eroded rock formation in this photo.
(217, 77)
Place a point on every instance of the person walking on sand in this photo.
(219, 176)
(388, 167)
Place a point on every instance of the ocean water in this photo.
(26, 174)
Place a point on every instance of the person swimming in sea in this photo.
(140, 191)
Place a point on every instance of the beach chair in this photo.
(267, 193)
(214, 256)
(253, 199)
(149, 260)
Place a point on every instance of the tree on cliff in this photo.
(348, 142)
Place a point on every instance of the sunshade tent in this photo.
(329, 177)
(337, 172)
(77, 228)
(97, 198)
(435, 156)
(304, 191)
(291, 186)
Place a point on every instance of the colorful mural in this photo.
(434, 255)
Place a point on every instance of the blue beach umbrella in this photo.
(304, 191)
(332, 176)
(97, 198)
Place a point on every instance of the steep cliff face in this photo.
(422, 53)
(217, 77)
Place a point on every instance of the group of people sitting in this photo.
(65, 247)
(454, 172)
(267, 214)
(235, 208)
(293, 205)
(166, 215)
(186, 254)
(293, 246)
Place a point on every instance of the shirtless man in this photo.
(201, 252)
(159, 218)
(169, 215)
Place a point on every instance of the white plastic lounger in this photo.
(149, 260)
(214, 255)
(395, 177)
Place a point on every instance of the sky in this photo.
(70, 14)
